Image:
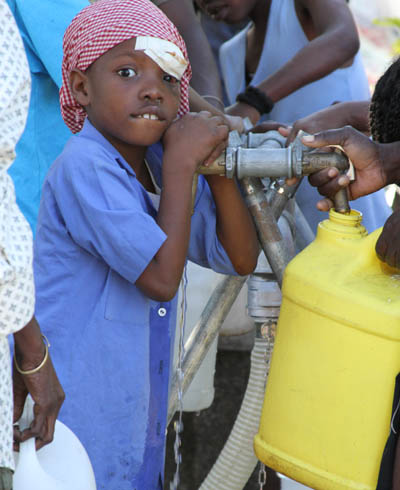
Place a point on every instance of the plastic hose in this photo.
(237, 460)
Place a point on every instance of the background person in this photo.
(296, 57)
(33, 370)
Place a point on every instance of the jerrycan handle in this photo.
(27, 414)
(27, 449)
(29, 472)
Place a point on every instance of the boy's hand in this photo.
(197, 138)
(388, 244)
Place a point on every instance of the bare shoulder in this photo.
(320, 16)
(334, 9)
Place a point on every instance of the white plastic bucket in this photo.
(201, 282)
(61, 465)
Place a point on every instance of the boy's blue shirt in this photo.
(111, 344)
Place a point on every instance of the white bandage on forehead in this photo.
(166, 54)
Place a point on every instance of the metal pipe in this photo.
(314, 161)
(264, 162)
(279, 195)
(271, 138)
(204, 332)
(267, 228)
(220, 302)
(264, 156)
(341, 202)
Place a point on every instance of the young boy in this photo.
(111, 248)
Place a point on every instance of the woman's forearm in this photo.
(29, 346)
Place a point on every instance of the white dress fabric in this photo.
(16, 275)
(284, 38)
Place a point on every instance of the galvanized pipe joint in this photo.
(256, 155)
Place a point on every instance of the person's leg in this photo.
(6, 479)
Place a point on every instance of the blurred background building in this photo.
(377, 41)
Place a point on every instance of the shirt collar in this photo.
(153, 154)
(90, 132)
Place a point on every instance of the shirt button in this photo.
(162, 311)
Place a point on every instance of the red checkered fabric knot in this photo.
(103, 25)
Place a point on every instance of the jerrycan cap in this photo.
(61, 465)
(346, 225)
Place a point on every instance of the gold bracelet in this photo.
(36, 369)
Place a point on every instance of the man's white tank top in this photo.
(284, 38)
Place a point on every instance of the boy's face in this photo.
(129, 98)
(229, 11)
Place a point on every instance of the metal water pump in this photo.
(260, 162)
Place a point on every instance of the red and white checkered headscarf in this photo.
(101, 26)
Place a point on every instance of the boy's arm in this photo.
(336, 43)
(102, 206)
(189, 142)
(235, 228)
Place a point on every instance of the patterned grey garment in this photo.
(6, 479)
(16, 275)
(156, 2)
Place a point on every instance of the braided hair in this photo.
(384, 112)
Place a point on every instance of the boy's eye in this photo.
(126, 72)
(170, 79)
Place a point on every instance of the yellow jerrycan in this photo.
(328, 403)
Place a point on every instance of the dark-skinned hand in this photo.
(48, 396)
(388, 244)
(243, 110)
(200, 135)
(333, 117)
(270, 125)
(365, 156)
